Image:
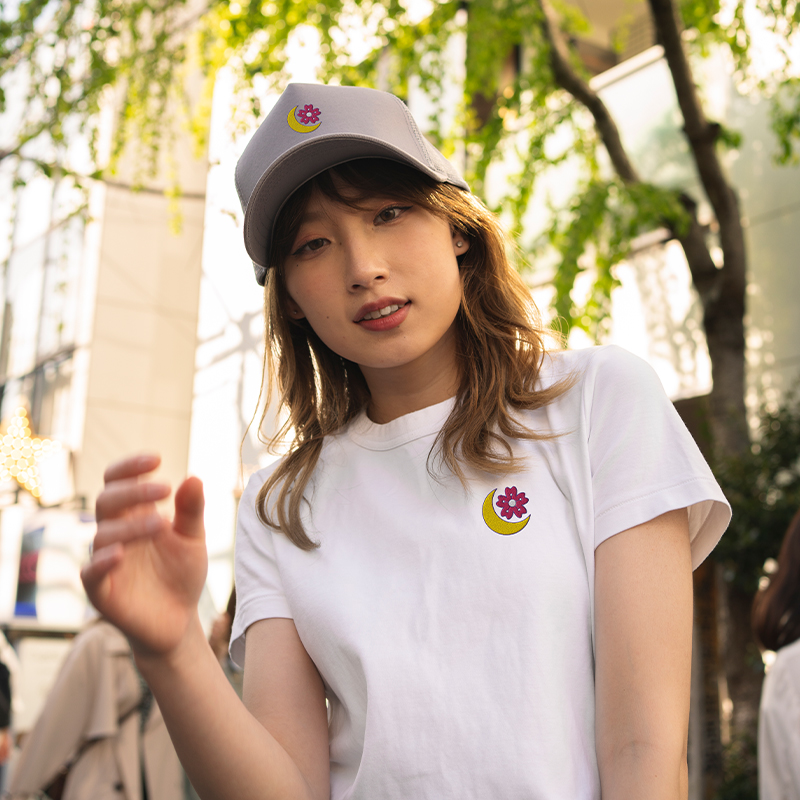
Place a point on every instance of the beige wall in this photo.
(139, 392)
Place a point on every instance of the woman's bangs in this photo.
(352, 184)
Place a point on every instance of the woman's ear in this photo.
(460, 243)
(295, 312)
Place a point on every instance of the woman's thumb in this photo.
(189, 504)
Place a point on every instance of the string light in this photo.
(20, 453)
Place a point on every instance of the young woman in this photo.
(776, 622)
(477, 551)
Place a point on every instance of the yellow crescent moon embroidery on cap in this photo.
(497, 524)
(297, 126)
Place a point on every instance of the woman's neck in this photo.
(385, 409)
(401, 390)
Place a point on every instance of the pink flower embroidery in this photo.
(307, 115)
(512, 503)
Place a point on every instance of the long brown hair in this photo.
(500, 344)
(776, 609)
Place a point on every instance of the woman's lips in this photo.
(388, 322)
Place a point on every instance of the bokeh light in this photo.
(20, 453)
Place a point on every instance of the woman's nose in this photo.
(365, 266)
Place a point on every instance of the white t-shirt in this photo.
(457, 655)
(779, 728)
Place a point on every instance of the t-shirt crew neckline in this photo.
(425, 422)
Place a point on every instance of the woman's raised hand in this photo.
(146, 572)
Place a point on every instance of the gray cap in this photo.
(313, 128)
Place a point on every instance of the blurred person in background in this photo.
(220, 640)
(5, 718)
(9, 667)
(100, 734)
(776, 622)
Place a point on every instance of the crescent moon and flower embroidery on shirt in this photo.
(512, 504)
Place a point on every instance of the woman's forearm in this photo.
(644, 770)
(643, 623)
(224, 749)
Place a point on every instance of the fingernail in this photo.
(145, 459)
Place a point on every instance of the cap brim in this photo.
(299, 165)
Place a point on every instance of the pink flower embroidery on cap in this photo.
(308, 115)
(512, 503)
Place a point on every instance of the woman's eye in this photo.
(391, 213)
(310, 246)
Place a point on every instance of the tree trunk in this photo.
(722, 294)
(723, 299)
(706, 617)
(743, 666)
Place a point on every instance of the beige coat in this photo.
(97, 684)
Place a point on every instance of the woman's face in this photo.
(380, 285)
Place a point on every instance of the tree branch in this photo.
(702, 136)
(724, 305)
(569, 80)
(704, 272)
(23, 140)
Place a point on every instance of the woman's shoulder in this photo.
(258, 478)
(591, 365)
(591, 358)
(252, 486)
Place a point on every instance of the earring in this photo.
(459, 244)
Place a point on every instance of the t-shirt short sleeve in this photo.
(259, 591)
(644, 462)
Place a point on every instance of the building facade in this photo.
(99, 323)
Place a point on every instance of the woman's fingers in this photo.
(189, 504)
(132, 467)
(123, 495)
(127, 529)
(102, 562)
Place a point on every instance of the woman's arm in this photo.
(146, 576)
(273, 746)
(643, 625)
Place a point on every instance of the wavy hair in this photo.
(776, 609)
(499, 334)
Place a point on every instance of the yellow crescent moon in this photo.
(296, 126)
(497, 524)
